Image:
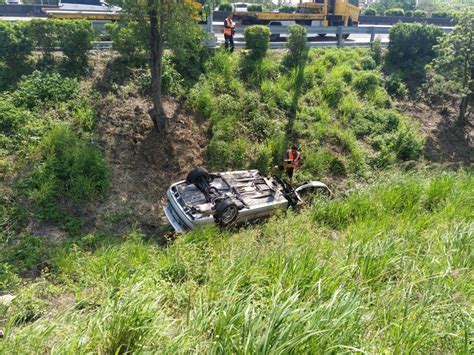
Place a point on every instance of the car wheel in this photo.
(196, 174)
(226, 213)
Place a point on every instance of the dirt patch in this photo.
(447, 140)
(144, 164)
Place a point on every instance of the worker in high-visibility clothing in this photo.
(229, 31)
(292, 161)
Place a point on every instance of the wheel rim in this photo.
(229, 214)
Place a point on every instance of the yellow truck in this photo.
(315, 13)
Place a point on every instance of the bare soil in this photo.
(143, 164)
(447, 141)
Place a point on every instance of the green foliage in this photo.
(394, 12)
(45, 35)
(297, 47)
(69, 168)
(76, 40)
(131, 40)
(395, 86)
(439, 14)
(255, 8)
(419, 13)
(287, 9)
(41, 89)
(329, 277)
(409, 13)
(455, 60)
(15, 45)
(376, 51)
(370, 12)
(226, 7)
(411, 48)
(257, 38)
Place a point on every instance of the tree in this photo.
(411, 48)
(168, 18)
(455, 62)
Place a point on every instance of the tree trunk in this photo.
(462, 110)
(156, 54)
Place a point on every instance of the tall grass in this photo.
(386, 270)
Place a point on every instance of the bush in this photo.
(76, 40)
(395, 86)
(69, 169)
(409, 13)
(287, 9)
(394, 12)
(439, 14)
(45, 35)
(45, 90)
(226, 7)
(370, 12)
(367, 82)
(15, 45)
(411, 48)
(419, 13)
(297, 46)
(256, 39)
(255, 8)
(407, 145)
(131, 40)
(376, 51)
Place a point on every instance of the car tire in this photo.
(196, 174)
(226, 213)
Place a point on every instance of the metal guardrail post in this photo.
(372, 34)
(339, 36)
(212, 40)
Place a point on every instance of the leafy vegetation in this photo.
(338, 103)
(386, 269)
(411, 48)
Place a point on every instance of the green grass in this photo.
(387, 269)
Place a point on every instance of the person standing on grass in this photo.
(229, 31)
(292, 161)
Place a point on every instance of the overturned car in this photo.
(231, 198)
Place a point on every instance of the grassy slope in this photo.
(388, 269)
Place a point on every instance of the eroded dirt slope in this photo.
(144, 164)
(446, 140)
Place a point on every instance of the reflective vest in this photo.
(230, 26)
(291, 156)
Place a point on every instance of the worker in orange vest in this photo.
(229, 31)
(292, 161)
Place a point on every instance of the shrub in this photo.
(376, 51)
(297, 46)
(411, 47)
(255, 8)
(69, 169)
(45, 90)
(419, 13)
(368, 63)
(256, 39)
(395, 86)
(367, 82)
(394, 12)
(409, 13)
(76, 40)
(407, 145)
(370, 12)
(439, 14)
(226, 7)
(15, 45)
(45, 35)
(287, 9)
(333, 91)
(130, 39)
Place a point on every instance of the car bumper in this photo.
(174, 220)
